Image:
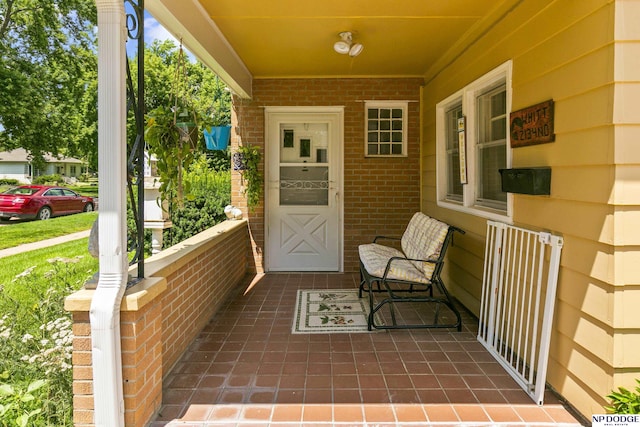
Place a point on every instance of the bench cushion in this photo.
(423, 239)
(374, 258)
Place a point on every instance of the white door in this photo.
(304, 183)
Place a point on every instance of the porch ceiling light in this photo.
(346, 45)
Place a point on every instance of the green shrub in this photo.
(46, 179)
(36, 345)
(209, 192)
(19, 404)
(624, 401)
(195, 217)
(220, 160)
(203, 180)
(9, 181)
(85, 177)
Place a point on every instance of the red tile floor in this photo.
(246, 368)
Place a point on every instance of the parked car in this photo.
(42, 202)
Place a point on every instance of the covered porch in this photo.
(247, 367)
(206, 341)
(513, 52)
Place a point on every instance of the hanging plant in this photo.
(216, 122)
(172, 136)
(173, 145)
(246, 159)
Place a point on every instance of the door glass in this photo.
(306, 185)
(304, 168)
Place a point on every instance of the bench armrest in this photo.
(385, 238)
(390, 261)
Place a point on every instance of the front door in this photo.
(304, 183)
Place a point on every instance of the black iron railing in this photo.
(136, 153)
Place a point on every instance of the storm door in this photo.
(304, 182)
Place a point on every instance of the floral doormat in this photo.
(330, 311)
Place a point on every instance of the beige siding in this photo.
(586, 57)
(626, 192)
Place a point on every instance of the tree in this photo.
(201, 88)
(174, 85)
(47, 74)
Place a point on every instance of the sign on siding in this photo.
(532, 125)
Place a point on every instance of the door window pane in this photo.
(304, 186)
(304, 142)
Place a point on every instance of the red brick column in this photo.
(82, 371)
(141, 342)
(141, 338)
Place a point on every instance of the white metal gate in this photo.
(517, 303)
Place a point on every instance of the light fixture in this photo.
(346, 45)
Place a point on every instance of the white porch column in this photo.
(105, 306)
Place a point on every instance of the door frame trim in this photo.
(338, 112)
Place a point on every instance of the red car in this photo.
(41, 202)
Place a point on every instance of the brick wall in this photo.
(201, 273)
(380, 194)
(82, 371)
(196, 291)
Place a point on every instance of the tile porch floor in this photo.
(246, 368)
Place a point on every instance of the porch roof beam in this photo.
(204, 39)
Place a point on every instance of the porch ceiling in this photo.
(242, 40)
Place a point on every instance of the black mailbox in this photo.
(527, 180)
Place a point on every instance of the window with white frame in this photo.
(385, 128)
(484, 105)
(454, 185)
(491, 146)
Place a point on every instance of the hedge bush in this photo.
(45, 179)
(9, 181)
(209, 191)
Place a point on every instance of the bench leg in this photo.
(370, 324)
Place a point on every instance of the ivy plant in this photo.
(174, 145)
(247, 160)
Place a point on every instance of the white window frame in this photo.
(468, 96)
(404, 106)
(456, 102)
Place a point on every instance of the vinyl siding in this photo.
(584, 56)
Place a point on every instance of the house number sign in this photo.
(532, 125)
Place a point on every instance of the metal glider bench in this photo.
(409, 275)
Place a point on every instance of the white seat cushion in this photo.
(423, 239)
(374, 258)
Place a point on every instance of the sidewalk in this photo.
(43, 243)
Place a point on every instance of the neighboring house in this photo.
(426, 64)
(15, 164)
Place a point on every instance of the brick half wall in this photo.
(160, 317)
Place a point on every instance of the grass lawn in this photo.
(36, 332)
(84, 189)
(14, 265)
(32, 231)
